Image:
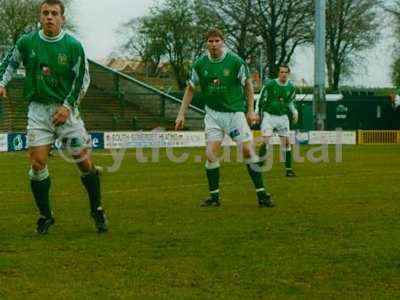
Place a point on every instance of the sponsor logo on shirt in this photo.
(46, 71)
(227, 72)
(234, 133)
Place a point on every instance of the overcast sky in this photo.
(97, 21)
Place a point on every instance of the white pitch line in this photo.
(182, 186)
(144, 189)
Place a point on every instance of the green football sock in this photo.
(262, 154)
(91, 182)
(40, 190)
(256, 177)
(288, 159)
(213, 182)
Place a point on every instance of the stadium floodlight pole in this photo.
(319, 105)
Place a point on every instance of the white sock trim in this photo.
(255, 159)
(39, 175)
(214, 192)
(212, 165)
(260, 190)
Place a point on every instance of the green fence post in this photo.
(114, 123)
(162, 107)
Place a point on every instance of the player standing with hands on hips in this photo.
(276, 101)
(224, 80)
(57, 77)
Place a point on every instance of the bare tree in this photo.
(352, 26)
(142, 40)
(18, 17)
(235, 19)
(178, 27)
(394, 9)
(284, 25)
(170, 32)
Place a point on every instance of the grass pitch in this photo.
(334, 234)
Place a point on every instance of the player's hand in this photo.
(3, 92)
(295, 117)
(179, 122)
(60, 116)
(253, 118)
(392, 97)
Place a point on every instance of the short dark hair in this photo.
(54, 2)
(285, 66)
(214, 32)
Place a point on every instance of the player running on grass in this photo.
(57, 77)
(276, 101)
(224, 80)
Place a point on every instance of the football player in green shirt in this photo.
(57, 77)
(224, 80)
(276, 101)
(395, 99)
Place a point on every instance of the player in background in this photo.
(57, 77)
(224, 80)
(395, 99)
(276, 101)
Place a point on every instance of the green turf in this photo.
(334, 234)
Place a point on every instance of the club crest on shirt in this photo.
(62, 59)
(227, 72)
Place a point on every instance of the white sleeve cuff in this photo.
(68, 106)
(190, 83)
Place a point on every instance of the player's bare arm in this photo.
(187, 99)
(252, 117)
(292, 108)
(3, 93)
(295, 117)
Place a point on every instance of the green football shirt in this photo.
(221, 81)
(277, 98)
(56, 68)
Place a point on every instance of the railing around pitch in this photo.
(144, 86)
(378, 137)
